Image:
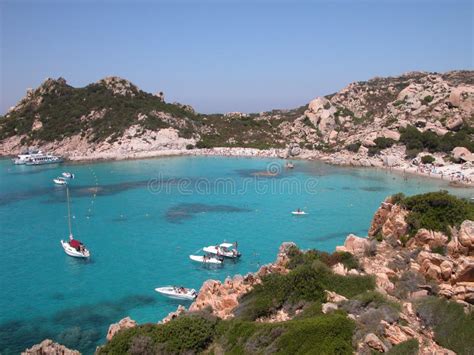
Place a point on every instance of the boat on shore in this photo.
(73, 247)
(207, 259)
(228, 250)
(180, 293)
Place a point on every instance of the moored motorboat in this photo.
(299, 213)
(181, 293)
(68, 175)
(60, 181)
(206, 259)
(228, 250)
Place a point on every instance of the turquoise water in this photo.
(141, 219)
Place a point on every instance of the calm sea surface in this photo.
(141, 219)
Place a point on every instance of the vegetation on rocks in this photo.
(416, 141)
(187, 334)
(437, 211)
(453, 328)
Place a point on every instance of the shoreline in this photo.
(280, 153)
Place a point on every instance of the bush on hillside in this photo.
(436, 211)
(325, 334)
(408, 347)
(427, 159)
(353, 147)
(189, 334)
(306, 282)
(453, 328)
(415, 140)
(297, 257)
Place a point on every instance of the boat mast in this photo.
(69, 214)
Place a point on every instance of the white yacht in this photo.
(36, 157)
(228, 250)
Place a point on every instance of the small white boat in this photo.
(179, 293)
(228, 250)
(206, 259)
(299, 213)
(68, 175)
(73, 247)
(60, 181)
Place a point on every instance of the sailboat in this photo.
(73, 247)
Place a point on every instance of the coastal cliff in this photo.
(406, 288)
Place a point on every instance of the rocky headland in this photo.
(406, 288)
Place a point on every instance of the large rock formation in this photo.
(389, 221)
(124, 323)
(48, 347)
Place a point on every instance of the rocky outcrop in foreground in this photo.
(48, 347)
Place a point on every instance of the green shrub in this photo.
(324, 334)
(427, 159)
(183, 334)
(383, 143)
(427, 99)
(416, 140)
(439, 250)
(408, 347)
(397, 198)
(306, 282)
(412, 153)
(436, 211)
(298, 258)
(453, 328)
(330, 334)
(353, 147)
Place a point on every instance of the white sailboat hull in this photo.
(171, 292)
(69, 250)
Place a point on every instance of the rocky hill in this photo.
(113, 115)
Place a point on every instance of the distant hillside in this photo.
(113, 113)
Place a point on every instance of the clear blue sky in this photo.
(228, 55)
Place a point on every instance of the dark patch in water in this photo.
(58, 296)
(261, 173)
(185, 211)
(348, 188)
(31, 170)
(57, 194)
(374, 188)
(82, 326)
